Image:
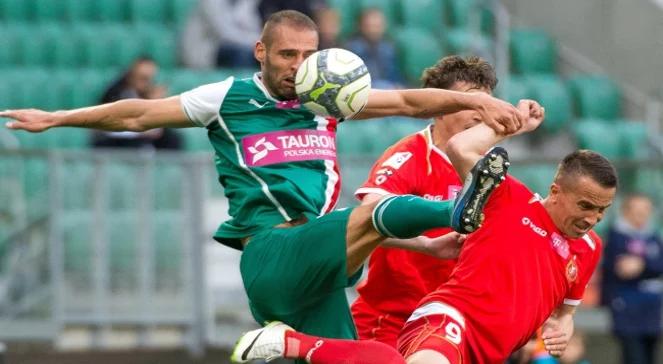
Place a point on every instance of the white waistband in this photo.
(437, 308)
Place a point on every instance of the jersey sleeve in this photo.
(202, 104)
(574, 297)
(395, 172)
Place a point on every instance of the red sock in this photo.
(318, 350)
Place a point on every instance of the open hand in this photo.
(31, 120)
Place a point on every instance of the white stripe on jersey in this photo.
(333, 179)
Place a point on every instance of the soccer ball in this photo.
(333, 82)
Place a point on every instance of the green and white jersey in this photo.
(275, 159)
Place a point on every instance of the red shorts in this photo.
(376, 325)
(438, 327)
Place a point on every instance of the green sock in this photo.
(408, 216)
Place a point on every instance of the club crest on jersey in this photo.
(560, 245)
(572, 270)
(397, 160)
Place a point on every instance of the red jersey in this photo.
(513, 272)
(398, 279)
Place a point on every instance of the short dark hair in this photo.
(292, 18)
(587, 163)
(452, 69)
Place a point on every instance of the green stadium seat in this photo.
(532, 51)
(78, 190)
(111, 10)
(71, 138)
(178, 10)
(390, 8)
(461, 12)
(35, 176)
(488, 22)
(356, 138)
(168, 248)
(596, 96)
(633, 138)
(122, 186)
(167, 182)
(7, 53)
(97, 47)
(349, 13)
(537, 177)
(413, 57)
(15, 10)
(148, 11)
(429, 15)
(195, 139)
(598, 136)
(161, 45)
(76, 11)
(62, 48)
(122, 235)
(31, 49)
(513, 89)
(48, 10)
(5, 91)
(464, 42)
(551, 92)
(77, 237)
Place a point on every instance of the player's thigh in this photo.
(439, 333)
(328, 317)
(362, 238)
(290, 269)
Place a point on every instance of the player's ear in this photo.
(260, 52)
(554, 191)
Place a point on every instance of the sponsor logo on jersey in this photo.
(560, 245)
(289, 146)
(572, 270)
(397, 160)
(257, 104)
(433, 197)
(538, 230)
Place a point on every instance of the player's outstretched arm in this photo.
(430, 102)
(467, 147)
(123, 115)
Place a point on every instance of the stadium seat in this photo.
(7, 53)
(178, 10)
(161, 45)
(168, 248)
(537, 177)
(15, 10)
(77, 237)
(48, 10)
(488, 22)
(75, 11)
(633, 138)
(596, 96)
(121, 186)
(513, 89)
(195, 139)
(464, 42)
(390, 8)
(63, 48)
(414, 58)
(598, 136)
(167, 182)
(78, 191)
(148, 11)
(429, 15)
(461, 13)
(551, 92)
(532, 51)
(111, 10)
(122, 229)
(30, 48)
(348, 12)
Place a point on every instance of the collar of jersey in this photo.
(258, 81)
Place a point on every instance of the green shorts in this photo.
(298, 275)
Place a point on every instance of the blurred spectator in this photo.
(221, 33)
(136, 82)
(329, 26)
(378, 52)
(308, 7)
(633, 260)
